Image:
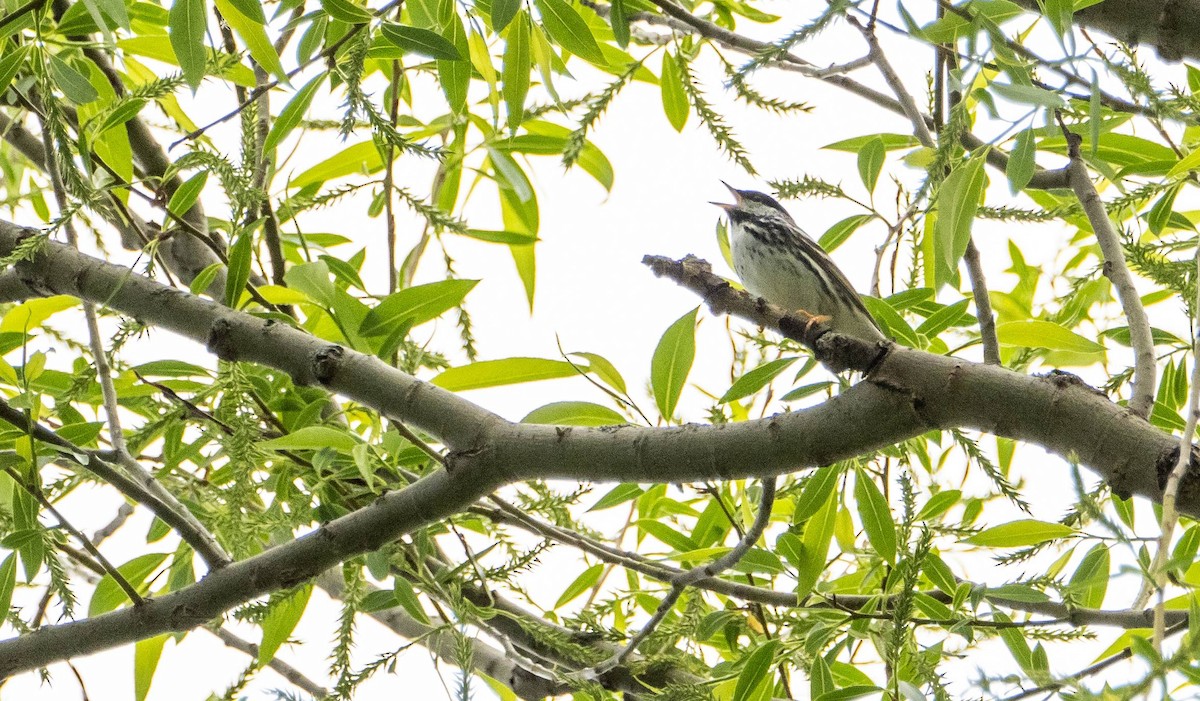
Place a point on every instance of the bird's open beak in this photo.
(737, 198)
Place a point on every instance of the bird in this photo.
(777, 261)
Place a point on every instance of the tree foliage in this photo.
(878, 535)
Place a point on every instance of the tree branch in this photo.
(1144, 371)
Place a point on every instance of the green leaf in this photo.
(1029, 95)
(1034, 333)
(509, 371)
(73, 84)
(251, 27)
(187, 25)
(357, 158)
(604, 370)
(943, 318)
(574, 413)
(876, 516)
(549, 139)
(1184, 553)
(672, 362)
(619, 19)
(839, 232)
(756, 379)
(667, 535)
(416, 305)
(114, 9)
(239, 268)
(204, 278)
(346, 11)
(503, 12)
(11, 63)
(816, 492)
(251, 9)
(582, 583)
(870, 163)
(292, 113)
(1019, 534)
(312, 279)
(1021, 162)
(517, 65)
(1160, 213)
(1185, 164)
(938, 572)
(406, 596)
(958, 201)
(420, 41)
(186, 194)
(146, 654)
(281, 620)
(525, 260)
(569, 30)
(674, 97)
(818, 531)
(108, 595)
(939, 504)
(511, 238)
(8, 580)
(30, 314)
(890, 320)
(455, 74)
(755, 671)
(891, 142)
(313, 438)
(1018, 592)
(617, 495)
(1089, 583)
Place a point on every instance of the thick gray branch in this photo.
(1171, 26)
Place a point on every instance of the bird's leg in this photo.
(814, 319)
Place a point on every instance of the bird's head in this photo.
(750, 204)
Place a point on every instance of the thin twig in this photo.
(1170, 514)
(104, 374)
(249, 98)
(687, 578)
(945, 62)
(192, 533)
(1100, 666)
(511, 515)
(877, 56)
(1042, 179)
(983, 305)
(109, 569)
(284, 669)
(1141, 400)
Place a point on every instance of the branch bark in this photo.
(1140, 336)
(1171, 26)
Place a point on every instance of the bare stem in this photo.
(687, 578)
(1142, 399)
(36, 492)
(983, 305)
(104, 377)
(1170, 512)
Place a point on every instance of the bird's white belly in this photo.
(773, 274)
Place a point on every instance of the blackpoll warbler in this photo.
(777, 261)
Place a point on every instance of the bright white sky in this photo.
(594, 295)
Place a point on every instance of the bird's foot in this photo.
(815, 319)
